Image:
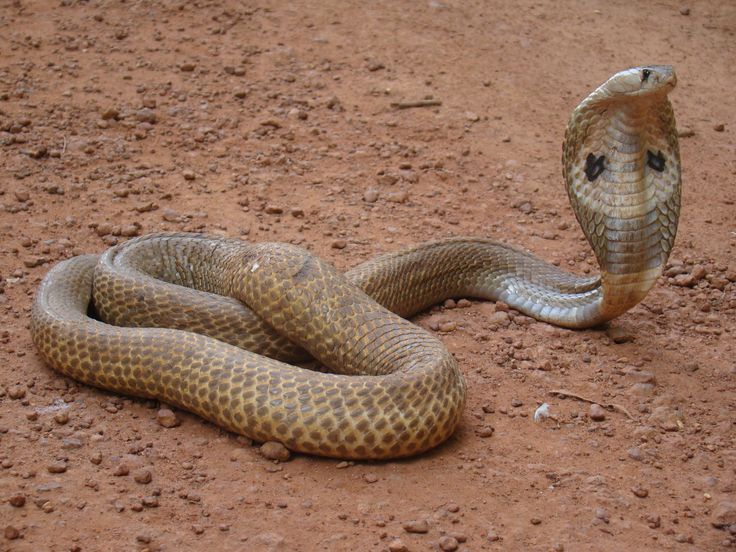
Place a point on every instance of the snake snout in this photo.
(660, 76)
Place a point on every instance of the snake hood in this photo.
(621, 163)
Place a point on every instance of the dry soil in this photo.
(277, 121)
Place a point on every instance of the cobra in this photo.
(208, 324)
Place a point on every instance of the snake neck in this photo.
(622, 169)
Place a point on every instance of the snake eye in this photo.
(645, 75)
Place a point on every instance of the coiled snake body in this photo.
(394, 389)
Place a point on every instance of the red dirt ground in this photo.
(274, 121)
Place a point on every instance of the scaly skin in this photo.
(395, 390)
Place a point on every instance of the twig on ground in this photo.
(608, 406)
(418, 103)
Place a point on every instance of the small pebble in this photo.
(635, 454)
(121, 470)
(130, 230)
(150, 501)
(698, 272)
(654, 521)
(602, 514)
(619, 334)
(639, 491)
(146, 115)
(11, 533)
(103, 229)
(447, 326)
(416, 526)
(458, 536)
(448, 544)
(274, 209)
(375, 65)
(485, 432)
(17, 500)
(500, 306)
(388, 179)
(143, 476)
(642, 389)
(370, 477)
(71, 443)
(167, 418)
(397, 545)
(16, 392)
(33, 262)
(58, 466)
(273, 450)
(145, 207)
(724, 514)
(401, 196)
(665, 417)
(22, 195)
(596, 413)
(500, 318)
(334, 104)
(169, 215)
(110, 114)
(370, 195)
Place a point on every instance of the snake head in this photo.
(647, 80)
